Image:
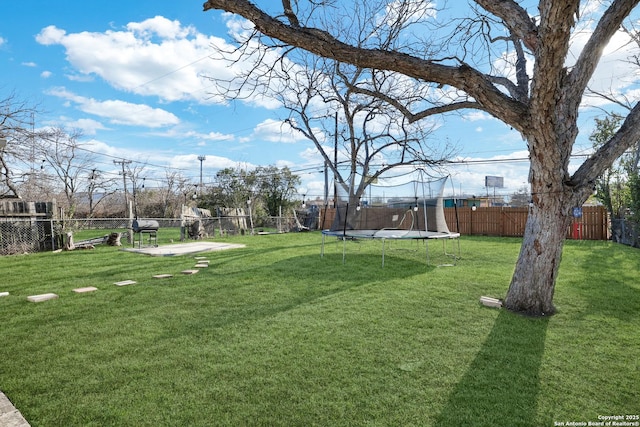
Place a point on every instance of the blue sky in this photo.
(129, 74)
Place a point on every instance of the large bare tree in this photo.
(16, 136)
(541, 101)
(359, 137)
(62, 150)
(99, 189)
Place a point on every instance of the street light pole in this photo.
(202, 159)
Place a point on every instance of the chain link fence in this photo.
(19, 236)
(27, 235)
(625, 232)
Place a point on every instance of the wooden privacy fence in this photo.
(509, 222)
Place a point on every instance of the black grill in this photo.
(144, 225)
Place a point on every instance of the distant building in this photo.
(470, 201)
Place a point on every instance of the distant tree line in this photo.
(269, 190)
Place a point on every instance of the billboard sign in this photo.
(494, 181)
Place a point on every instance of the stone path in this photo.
(9, 415)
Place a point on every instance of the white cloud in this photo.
(156, 57)
(46, 74)
(285, 164)
(29, 64)
(50, 35)
(100, 147)
(120, 112)
(475, 115)
(210, 137)
(180, 162)
(80, 78)
(160, 26)
(162, 58)
(191, 162)
(88, 126)
(277, 131)
(312, 155)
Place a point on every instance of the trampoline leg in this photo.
(426, 249)
(344, 248)
(383, 244)
(453, 255)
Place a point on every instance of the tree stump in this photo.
(196, 230)
(68, 244)
(114, 239)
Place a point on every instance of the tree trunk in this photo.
(533, 282)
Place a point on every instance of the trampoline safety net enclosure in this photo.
(392, 209)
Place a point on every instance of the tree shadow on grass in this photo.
(501, 386)
(609, 285)
(251, 294)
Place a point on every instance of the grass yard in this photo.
(275, 335)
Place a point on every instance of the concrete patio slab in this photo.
(184, 248)
(9, 415)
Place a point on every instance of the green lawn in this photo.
(275, 335)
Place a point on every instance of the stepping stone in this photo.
(200, 257)
(42, 297)
(162, 276)
(203, 261)
(200, 265)
(190, 271)
(125, 283)
(490, 302)
(84, 290)
(4, 294)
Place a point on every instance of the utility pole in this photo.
(326, 185)
(124, 182)
(335, 163)
(202, 159)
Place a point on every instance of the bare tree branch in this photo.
(610, 151)
(320, 42)
(515, 18)
(609, 24)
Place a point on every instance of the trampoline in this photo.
(416, 216)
